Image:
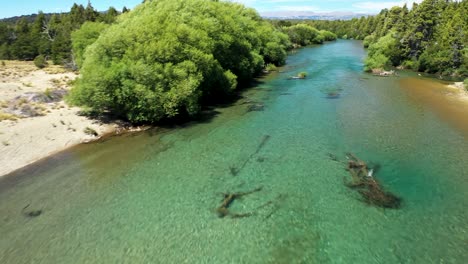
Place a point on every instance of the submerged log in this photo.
(257, 107)
(368, 187)
(30, 213)
(223, 209)
(235, 170)
(333, 95)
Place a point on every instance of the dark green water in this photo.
(151, 197)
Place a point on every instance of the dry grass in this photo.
(55, 69)
(3, 104)
(6, 116)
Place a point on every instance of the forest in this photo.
(429, 37)
(194, 52)
(26, 37)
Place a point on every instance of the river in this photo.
(151, 197)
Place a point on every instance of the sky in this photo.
(324, 6)
(9, 8)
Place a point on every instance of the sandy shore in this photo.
(459, 91)
(28, 139)
(449, 102)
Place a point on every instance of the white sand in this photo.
(459, 91)
(29, 139)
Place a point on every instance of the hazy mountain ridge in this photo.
(308, 15)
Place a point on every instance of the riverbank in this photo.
(449, 102)
(32, 128)
(459, 91)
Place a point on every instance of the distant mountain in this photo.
(29, 18)
(270, 15)
(312, 15)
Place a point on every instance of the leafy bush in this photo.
(410, 64)
(465, 82)
(40, 61)
(161, 59)
(303, 34)
(327, 35)
(368, 40)
(383, 53)
(377, 61)
(85, 36)
(270, 67)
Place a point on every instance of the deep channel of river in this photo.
(151, 197)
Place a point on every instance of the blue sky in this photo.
(25, 7)
(357, 6)
(9, 8)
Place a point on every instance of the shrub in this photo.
(410, 64)
(302, 75)
(327, 35)
(85, 36)
(90, 131)
(304, 34)
(163, 57)
(465, 82)
(271, 67)
(40, 61)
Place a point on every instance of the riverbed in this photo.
(151, 197)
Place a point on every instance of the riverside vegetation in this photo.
(188, 55)
(430, 37)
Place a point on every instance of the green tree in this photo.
(23, 46)
(383, 53)
(85, 36)
(165, 57)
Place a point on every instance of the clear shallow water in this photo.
(151, 197)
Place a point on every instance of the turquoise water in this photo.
(152, 197)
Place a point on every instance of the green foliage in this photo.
(378, 61)
(411, 64)
(271, 67)
(382, 54)
(368, 40)
(327, 35)
(164, 57)
(40, 61)
(465, 83)
(302, 75)
(303, 34)
(48, 34)
(48, 92)
(431, 36)
(85, 36)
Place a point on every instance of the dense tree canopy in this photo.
(47, 34)
(162, 58)
(431, 36)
